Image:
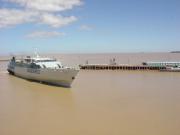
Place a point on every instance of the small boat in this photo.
(42, 69)
(172, 69)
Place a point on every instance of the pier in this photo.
(119, 67)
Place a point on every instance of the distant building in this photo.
(160, 64)
(175, 52)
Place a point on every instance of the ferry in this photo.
(43, 69)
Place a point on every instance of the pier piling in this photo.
(119, 67)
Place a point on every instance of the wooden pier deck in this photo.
(119, 67)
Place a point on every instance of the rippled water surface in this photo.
(98, 103)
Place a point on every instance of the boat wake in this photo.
(3, 72)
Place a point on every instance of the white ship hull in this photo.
(62, 77)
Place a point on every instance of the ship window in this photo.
(32, 65)
(37, 66)
(44, 66)
(48, 60)
(59, 66)
(28, 60)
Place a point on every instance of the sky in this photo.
(89, 26)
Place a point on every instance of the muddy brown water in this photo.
(98, 103)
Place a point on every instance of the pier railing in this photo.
(119, 67)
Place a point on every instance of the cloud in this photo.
(56, 20)
(38, 12)
(48, 5)
(14, 17)
(45, 34)
(85, 28)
